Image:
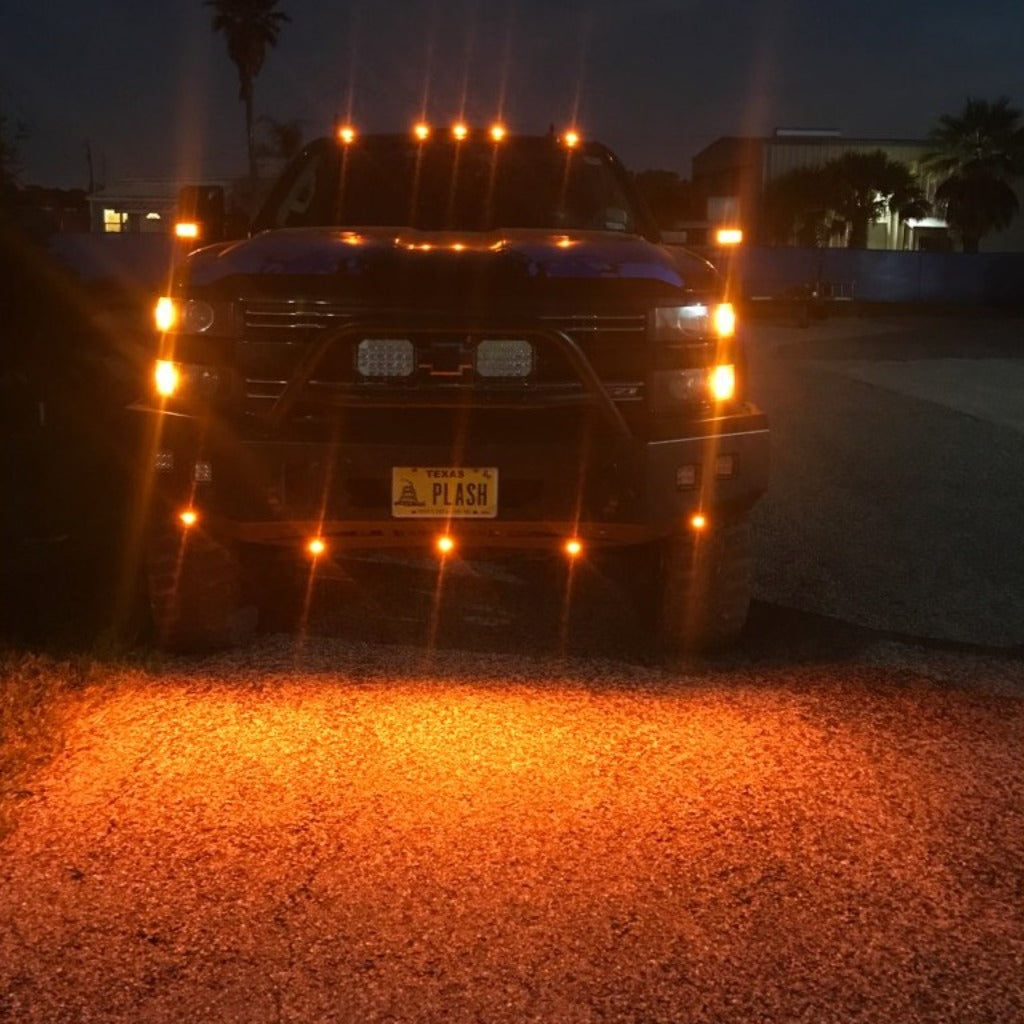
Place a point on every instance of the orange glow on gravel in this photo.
(360, 826)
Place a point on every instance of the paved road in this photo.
(897, 497)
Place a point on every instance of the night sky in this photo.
(151, 90)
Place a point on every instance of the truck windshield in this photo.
(466, 186)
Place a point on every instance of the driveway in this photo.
(897, 496)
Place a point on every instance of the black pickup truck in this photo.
(473, 346)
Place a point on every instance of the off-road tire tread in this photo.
(704, 588)
(193, 592)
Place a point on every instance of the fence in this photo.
(867, 275)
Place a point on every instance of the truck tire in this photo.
(702, 588)
(194, 592)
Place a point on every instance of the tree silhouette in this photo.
(797, 208)
(279, 140)
(840, 198)
(864, 186)
(250, 27)
(978, 153)
(669, 198)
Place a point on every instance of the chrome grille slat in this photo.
(290, 314)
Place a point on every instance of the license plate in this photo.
(439, 492)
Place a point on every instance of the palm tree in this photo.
(279, 140)
(978, 154)
(840, 198)
(796, 208)
(249, 26)
(867, 185)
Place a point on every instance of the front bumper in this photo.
(281, 493)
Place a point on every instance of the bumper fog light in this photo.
(725, 467)
(686, 478)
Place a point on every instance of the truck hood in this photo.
(395, 262)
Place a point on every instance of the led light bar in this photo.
(385, 357)
(504, 357)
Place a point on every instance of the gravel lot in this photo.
(353, 833)
(897, 497)
(505, 813)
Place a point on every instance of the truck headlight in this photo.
(694, 321)
(672, 390)
(186, 381)
(193, 316)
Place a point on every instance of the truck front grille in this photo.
(277, 331)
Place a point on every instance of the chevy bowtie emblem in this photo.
(446, 359)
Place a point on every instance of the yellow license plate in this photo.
(444, 492)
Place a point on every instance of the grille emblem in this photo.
(446, 359)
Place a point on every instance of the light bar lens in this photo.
(385, 357)
(504, 357)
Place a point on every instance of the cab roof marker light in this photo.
(421, 131)
(498, 132)
(460, 131)
(571, 138)
(347, 134)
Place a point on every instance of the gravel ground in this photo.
(341, 831)
(500, 811)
